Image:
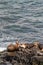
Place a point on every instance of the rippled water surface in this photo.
(22, 20)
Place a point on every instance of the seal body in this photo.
(12, 47)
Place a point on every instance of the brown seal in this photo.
(12, 47)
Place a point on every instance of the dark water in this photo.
(22, 20)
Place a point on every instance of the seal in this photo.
(13, 47)
(10, 48)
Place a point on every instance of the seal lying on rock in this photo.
(12, 47)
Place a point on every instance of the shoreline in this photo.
(22, 54)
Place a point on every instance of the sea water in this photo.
(21, 20)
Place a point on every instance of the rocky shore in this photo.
(22, 54)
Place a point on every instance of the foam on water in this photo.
(2, 49)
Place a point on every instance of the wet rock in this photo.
(8, 63)
(29, 45)
(42, 50)
(41, 46)
(20, 55)
(37, 60)
(1, 61)
(11, 53)
(5, 63)
(40, 53)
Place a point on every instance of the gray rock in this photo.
(23, 56)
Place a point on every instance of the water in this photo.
(22, 20)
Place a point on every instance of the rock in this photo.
(29, 46)
(21, 54)
(42, 50)
(8, 63)
(35, 48)
(39, 53)
(36, 44)
(1, 61)
(22, 45)
(37, 60)
(41, 46)
(11, 53)
(5, 63)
